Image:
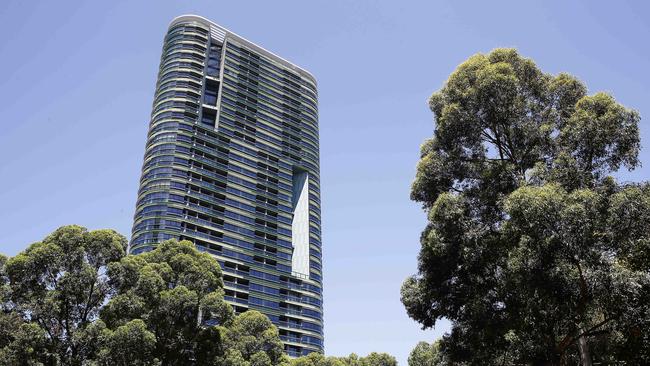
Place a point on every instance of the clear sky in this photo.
(77, 83)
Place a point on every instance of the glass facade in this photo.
(232, 164)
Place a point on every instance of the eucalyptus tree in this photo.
(52, 293)
(372, 359)
(532, 250)
(425, 354)
(76, 299)
(252, 340)
(317, 359)
(177, 294)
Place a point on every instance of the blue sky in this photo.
(77, 82)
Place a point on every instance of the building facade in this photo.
(232, 164)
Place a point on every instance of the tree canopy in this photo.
(425, 354)
(76, 299)
(372, 359)
(253, 340)
(175, 290)
(52, 294)
(532, 249)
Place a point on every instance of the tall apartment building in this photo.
(232, 164)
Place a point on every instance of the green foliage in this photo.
(317, 359)
(75, 299)
(373, 359)
(532, 250)
(174, 291)
(253, 340)
(5, 289)
(29, 346)
(56, 287)
(425, 354)
(130, 344)
(378, 359)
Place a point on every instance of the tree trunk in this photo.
(583, 347)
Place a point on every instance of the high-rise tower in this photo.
(232, 164)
